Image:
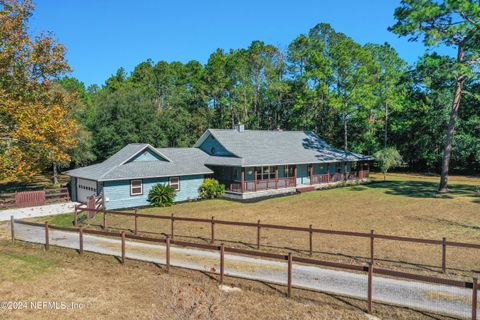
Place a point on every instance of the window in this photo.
(264, 173)
(136, 187)
(175, 183)
(213, 151)
(289, 171)
(339, 167)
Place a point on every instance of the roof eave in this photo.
(157, 176)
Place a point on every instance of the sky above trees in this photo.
(102, 36)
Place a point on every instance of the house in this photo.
(125, 178)
(251, 164)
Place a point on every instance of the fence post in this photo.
(12, 228)
(172, 227)
(311, 239)
(474, 298)
(258, 234)
(213, 230)
(136, 222)
(75, 216)
(104, 220)
(370, 289)
(289, 281)
(80, 235)
(123, 247)
(372, 252)
(47, 240)
(222, 262)
(444, 255)
(167, 252)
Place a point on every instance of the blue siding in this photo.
(249, 173)
(303, 176)
(281, 171)
(147, 155)
(209, 143)
(117, 193)
(320, 168)
(333, 167)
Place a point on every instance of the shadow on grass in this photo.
(423, 189)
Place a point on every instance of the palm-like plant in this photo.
(161, 195)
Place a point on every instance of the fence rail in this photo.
(310, 230)
(368, 269)
(33, 198)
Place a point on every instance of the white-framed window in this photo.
(136, 187)
(175, 183)
(289, 171)
(264, 173)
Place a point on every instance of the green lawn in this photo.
(405, 205)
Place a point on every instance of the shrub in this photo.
(388, 158)
(211, 189)
(161, 195)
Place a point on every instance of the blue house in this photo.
(251, 164)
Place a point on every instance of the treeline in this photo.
(362, 98)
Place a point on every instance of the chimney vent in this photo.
(239, 127)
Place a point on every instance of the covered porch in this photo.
(258, 179)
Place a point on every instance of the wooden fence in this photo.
(369, 269)
(33, 198)
(310, 231)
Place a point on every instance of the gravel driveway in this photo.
(431, 297)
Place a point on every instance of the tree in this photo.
(453, 23)
(354, 73)
(391, 91)
(36, 127)
(388, 158)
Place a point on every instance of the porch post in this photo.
(311, 173)
(276, 177)
(328, 172)
(255, 179)
(345, 168)
(295, 174)
(243, 180)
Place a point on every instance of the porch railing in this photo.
(268, 184)
(335, 177)
(259, 185)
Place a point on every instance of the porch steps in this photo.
(305, 189)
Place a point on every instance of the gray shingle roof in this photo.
(259, 147)
(250, 147)
(181, 161)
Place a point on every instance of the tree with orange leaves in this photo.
(36, 127)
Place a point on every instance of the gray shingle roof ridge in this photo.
(177, 148)
(263, 130)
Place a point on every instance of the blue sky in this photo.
(103, 35)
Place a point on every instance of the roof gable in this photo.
(148, 154)
(211, 145)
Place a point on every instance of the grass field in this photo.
(406, 205)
